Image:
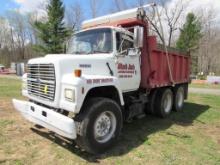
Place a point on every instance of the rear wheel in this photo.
(164, 102)
(99, 125)
(178, 98)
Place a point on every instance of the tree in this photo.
(18, 32)
(120, 5)
(189, 38)
(208, 52)
(53, 33)
(74, 15)
(169, 16)
(140, 2)
(172, 18)
(94, 6)
(5, 55)
(190, 34)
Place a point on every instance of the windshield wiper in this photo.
(110, 70)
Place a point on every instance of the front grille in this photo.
(41, 81)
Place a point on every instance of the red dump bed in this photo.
(155, 70)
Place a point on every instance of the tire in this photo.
(164, 102)
(150, 106)
(178, 98)
(99, 125)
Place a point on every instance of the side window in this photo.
(127, 44)
(122, 43)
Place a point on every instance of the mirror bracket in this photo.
(133, 51)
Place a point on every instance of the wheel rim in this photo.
(180, 97)
(105, 126)
(167, 104)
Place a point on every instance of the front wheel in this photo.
(99, 125)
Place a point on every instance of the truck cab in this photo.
(116, 43)
(87, 93)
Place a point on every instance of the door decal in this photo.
(126, 70)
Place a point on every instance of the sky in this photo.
(105, 7)
(31, 5)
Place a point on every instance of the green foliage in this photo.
(5, 56)
(189, 38)
(53, 33)
(202, 77)
(190, 34)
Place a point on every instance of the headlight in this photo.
(24, 85)
(70, 94)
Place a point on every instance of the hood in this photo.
(92, 64)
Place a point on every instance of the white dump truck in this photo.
(113, 71)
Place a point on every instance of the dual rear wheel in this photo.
(162, 101)
(179, 95)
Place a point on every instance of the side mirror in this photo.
(138, 36)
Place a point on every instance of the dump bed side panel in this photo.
(155, 70)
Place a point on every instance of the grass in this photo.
(209, 86)
(187, 137)
(4, 123)
(10, 87)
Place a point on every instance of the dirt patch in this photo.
(212, 132)
(18, 143)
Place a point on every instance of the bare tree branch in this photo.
(94, 6)
(170, 18)
(74, 15)
(120, 5)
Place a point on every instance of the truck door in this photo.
(128, 63)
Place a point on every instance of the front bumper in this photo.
(47, 118)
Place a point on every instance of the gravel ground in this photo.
(204, 91)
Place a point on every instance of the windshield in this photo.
(91, 41)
